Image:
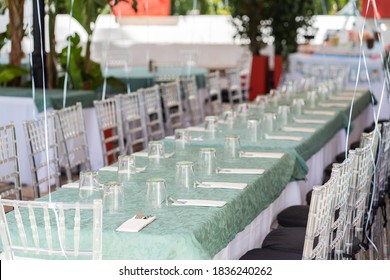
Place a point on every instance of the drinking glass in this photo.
(181, 139)
(156, 193)
(228, 117)
(268, 122)
(283, 115)
(155, 153)
(242, 109)
(261, 101)
(89, 185)
(207, 161)
(251, 130)
(312, 98)
(232, 146)
(211, 123)
(185, 176)
(297, 106)
(113, 196)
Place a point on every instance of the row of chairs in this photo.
(341, 212)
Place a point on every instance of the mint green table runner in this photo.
(186, 232)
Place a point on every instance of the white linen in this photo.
(261, 155)
(135, 225)
(221, 185)
(240, 171)
(197, 202)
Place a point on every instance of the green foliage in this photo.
(77, 62)
(4, 37)
(205, 7)
(9, 72)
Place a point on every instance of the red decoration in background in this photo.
(144, 7)
(278, 69)
(383, 7)
(259, 76)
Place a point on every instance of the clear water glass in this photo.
(252, 130)
(89, 185)
(283, 115)
(297, 106)
(207, 161)
(185, 176)
(312, 98)
(211, 123)
(268, 123)
(156, 193)
(156, 153)
(232, 146)
(181, 138)
(113, 196)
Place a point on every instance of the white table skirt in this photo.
(294, 193)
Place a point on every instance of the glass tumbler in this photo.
(232, 146)
(185, 176)
(211, 123)
(283, 115)
(268, 122)
(251, 130)
(297, 106)
(207, 161)
(89, 185)
(156, 193)
(312, 98)
(156, 153)
(113, 196)
(181, 138)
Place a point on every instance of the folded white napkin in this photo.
(310, 121)
(73, 185)
(109, 168)
(319, 112)
(298, 129)
(191, 139)
(351, 93)
(341, 98)
(240, 171)
(222, 185)
(283, 137)
(334, 104)
(195, 128)
(197, 202)
(135, 225)
(145, 154)
(261, 155)
(171, 137)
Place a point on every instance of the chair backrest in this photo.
(9, 163)
(53, 230)
(358, 193)
(73, 138)
(343, 172)
(42, 149)
(316, 245)
(132, 112)
(171, 96)
(151, 99)
(213, 86)
(235, 94)
(191, 104)
(245, 72)
(110, 130)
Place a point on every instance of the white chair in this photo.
(110, 130)
(151, 99)
(191, 101)
(213, 86)
(9, 163)
(42, 149)
(171, 97)
(245, 73)
(235, 94)
(51, 230)
(132, 112)
(73, 138)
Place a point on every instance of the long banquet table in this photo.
(187, 232)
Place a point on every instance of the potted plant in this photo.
(262, 22)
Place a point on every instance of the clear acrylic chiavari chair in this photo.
(171, 97)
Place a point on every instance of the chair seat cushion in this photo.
(269, 254)
(286, 239)
(294, 216)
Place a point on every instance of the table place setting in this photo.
(197, 202)
(195, 128)
(319, 112)
(341, 98)
(256, 171)
(298, 129)
(221, 185)
(283, 137)
(115, 169)
(261, 155)
(136, 223)
(309, 121)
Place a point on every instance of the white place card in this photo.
(319, 112)
(261, 155)
(197, 202)
(298, 129)
(195, 128)
(283, 137)
(145, 154)
(135, 225)
(333, 104)
(221, 185)
(240, 171)
(73, 185)
(310, 121)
